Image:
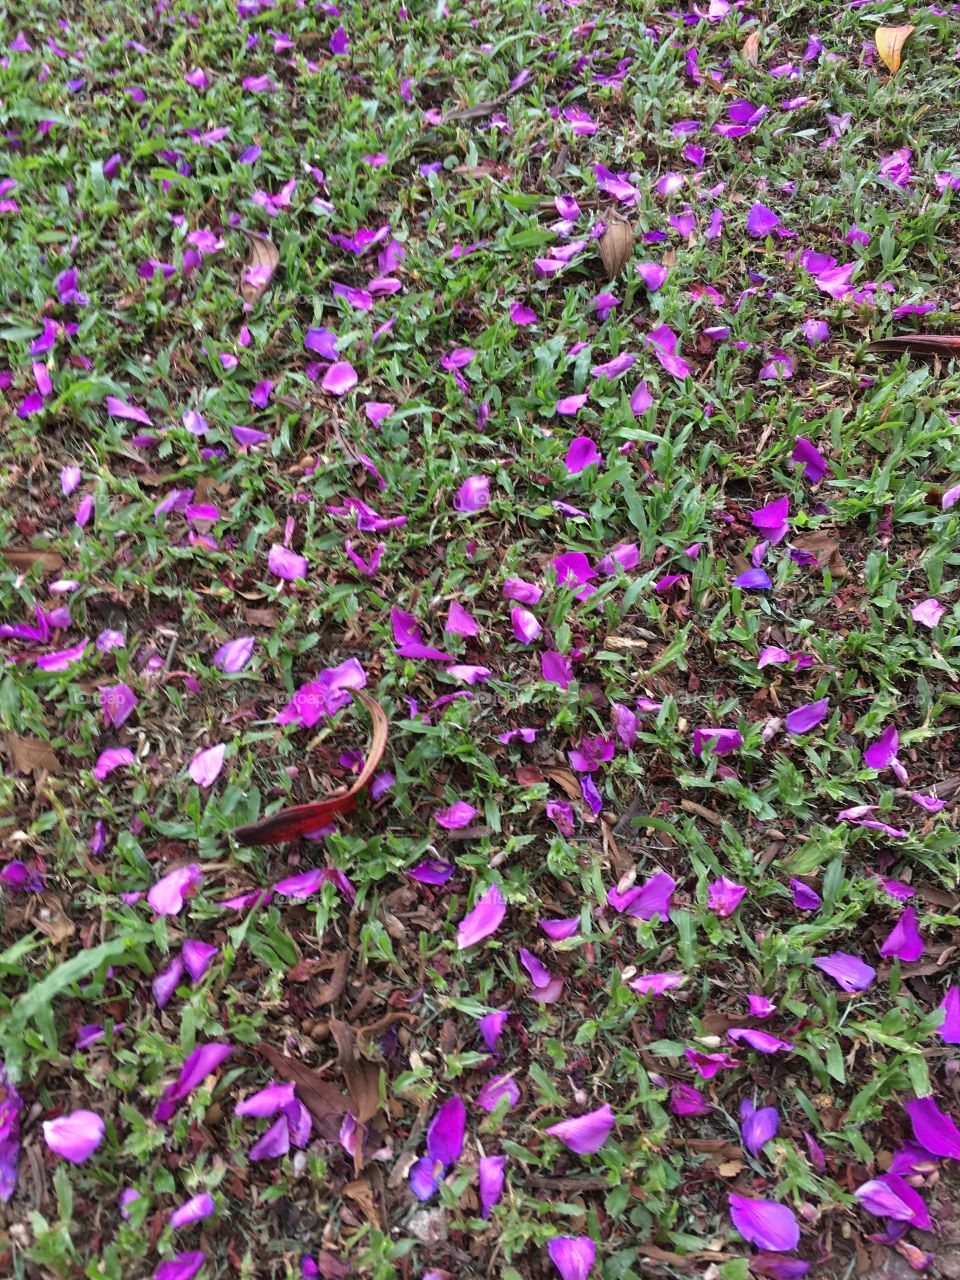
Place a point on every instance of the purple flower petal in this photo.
(272, 1144)
(498, 1087)
(446, 1131)
(473, 495)
(724, 896)
(850, 972)
(75, 1136)
(932, 1129)
(655, 984)
(805, 898)
(286, 564)
(556, 669)
(194, 1210)
(903, 940)
(719, 742)
(762, 1041)
(460, 814)
(234, 655)
(928, 612)
(491, 1027)
(581, 454)
(339, 378)
(573, 1256)
(166, 982)
(685, 1100)
(425, 1177)
(761, 221)
(485, 918)
(267, 1102)
(803, 719)
(205, 766)
(890, 1197)
(197, 957)
(167, 896)
(645, 901)
(765, 1223)
(490, 1170)
(585, 1134)
(753, 580)
(758, 1127)
(950, 1026)
(183, 1267)
(570, 406)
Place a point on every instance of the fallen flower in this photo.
(765, 1223)
(803, 719)
(75, 1136)
(573, 1256)
(757, 1126)
(724, 896)
(167, 896)
(490, 1173)
(485, 918)
(850, 972)
(206, 765)
(903, 940)
(932, 1129)
(928, 612)
(587, 1133)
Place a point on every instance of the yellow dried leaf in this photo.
(263, 261)
(890, 42)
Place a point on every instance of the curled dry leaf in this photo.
(616, 245)
(30, 754)
(890, 42)
(301, 818)
(945, 345)
(25, 558)
(263, 261)
(751, 48)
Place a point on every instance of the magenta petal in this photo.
(457, 816)
(267, 1102)
(803, 719)
(197, 957)
(425, 1177)
(194, 1210)
(805, 898)
(446, 1131)
(932, 1129)
(585, 1134)
(581, 454)
(571, 405)
(724, 896)
(573, 1256)
(762, 1041)
(761, 221)
(490, 1171)
(929, 612)
(234, 655)
(485, 918)
(459, 622)
(765, 1223)
(75, 1136)
(272, 1144)
(473, 495)
(167, 896)
(950, 1026)
(166, 982)
(205, 766)
(558, 930)
(882, 753)
(498, 1087)
(183, 1267)
(758, 1126)
(286, 564)
(339, 378)
(112, 758)
(491, 1027)
(685, 1100)
(850, 972)
(903, 940)
(890, 1197)
(656, 983)
(556, 669)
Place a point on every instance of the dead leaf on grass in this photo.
(751, 48)
(48, 915)
(24, 558)
(335, 986)
(325, 1102)
(565, 780)
(890, 42)
(945, 345)
(616, 245)
(263, 261)
(361, 1193)
(30, 755)
(362, 1077)
(827, 551)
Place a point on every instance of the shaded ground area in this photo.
(510, 363)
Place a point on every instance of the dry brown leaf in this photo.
(48, 915)
(616, 245)
(361, 1193)
(890, 42)
(362, 1077)
(751, 48)
(25, 558)
(334, 988)
(826, 549)
(325, 1102)
(945, 345)
(264, 259)
(29, 754)
(565, 780)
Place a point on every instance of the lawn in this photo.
(474, 408)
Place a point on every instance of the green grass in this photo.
(712, 448)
